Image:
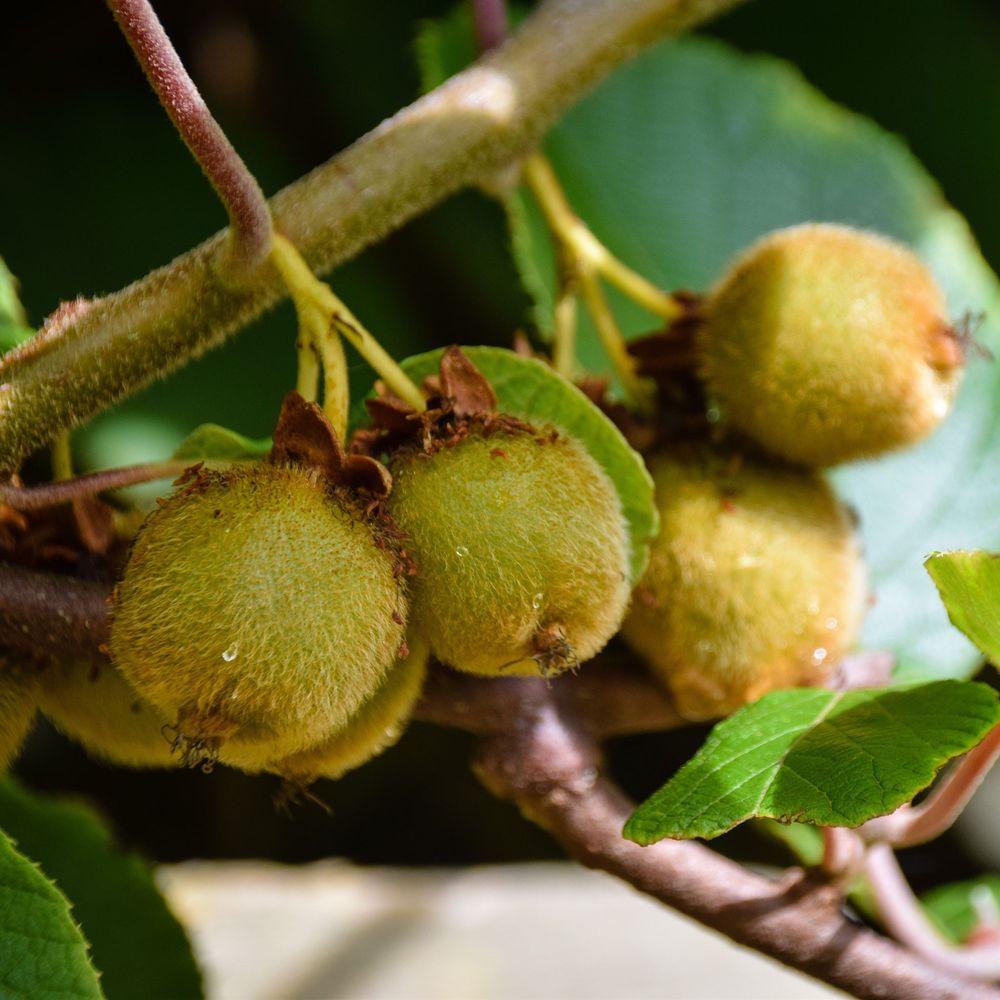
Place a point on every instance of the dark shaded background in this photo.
(95, 189)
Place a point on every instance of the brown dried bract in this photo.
(305, 436)
(465, 386)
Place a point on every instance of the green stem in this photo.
(481, 120)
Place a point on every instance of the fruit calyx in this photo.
(460, 399)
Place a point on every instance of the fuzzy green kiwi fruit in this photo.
(18, 701)
(372, 729)
(258, 609)
(522, 550)
(755, 582)
(825, 344)
(94, 705)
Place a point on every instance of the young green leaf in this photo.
(684, 158)
(529, 389)
(210, 442)
(954, 909)
(816, 756)
(14, 327)
(969, 584)
(42, 952)
(136, 942)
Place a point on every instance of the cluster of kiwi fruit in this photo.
(821, 344)
(279, 616)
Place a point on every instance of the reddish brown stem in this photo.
(66, 490)
(489, 18)
(249, 216)
(905, 919)
(911, 825)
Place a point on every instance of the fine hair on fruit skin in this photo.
(94, 705)
(371, 730)
(755, 582)
(522, 547)
(826, 344)
(258, 608)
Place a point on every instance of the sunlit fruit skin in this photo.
(826, 344)
(257, 608)
(371, 730)
(94, 705)
(18, 701)
(522, 551)
(755, 582)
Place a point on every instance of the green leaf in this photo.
(14, 327)
(815, 756)
(42, 953)
(690, 153)
(136, 942)
(531, 390)
(969, 584)
(211, 442)
(954, 908)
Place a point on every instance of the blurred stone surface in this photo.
(331, 931)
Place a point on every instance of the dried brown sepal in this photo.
(304, 436)
(462, 383)
(95, 524)
(458, 400)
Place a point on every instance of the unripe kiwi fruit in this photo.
(18, 701)
(95, 706)
(825, 344)
(372, 729)
(522, 548)
(754, 583)
(257, 608)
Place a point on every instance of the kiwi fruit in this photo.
(259, 607)
(372, 729)
(755, 582)
(522, 550)
(825, 344)
(18, 701)
(94, 705)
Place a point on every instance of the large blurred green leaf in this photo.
(824, 757)
(531, 390)
(42, 953)
(136, 942)
(691, 152)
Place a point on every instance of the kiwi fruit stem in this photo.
(323, 316)
(583, 259)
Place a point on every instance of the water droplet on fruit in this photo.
(461, 551)
(230, 654)
(819, 655)
(813, 606)
(712, 414)
(832, 623)
(536, 601)
(747, 560)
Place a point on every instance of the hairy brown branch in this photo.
(87, 358)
